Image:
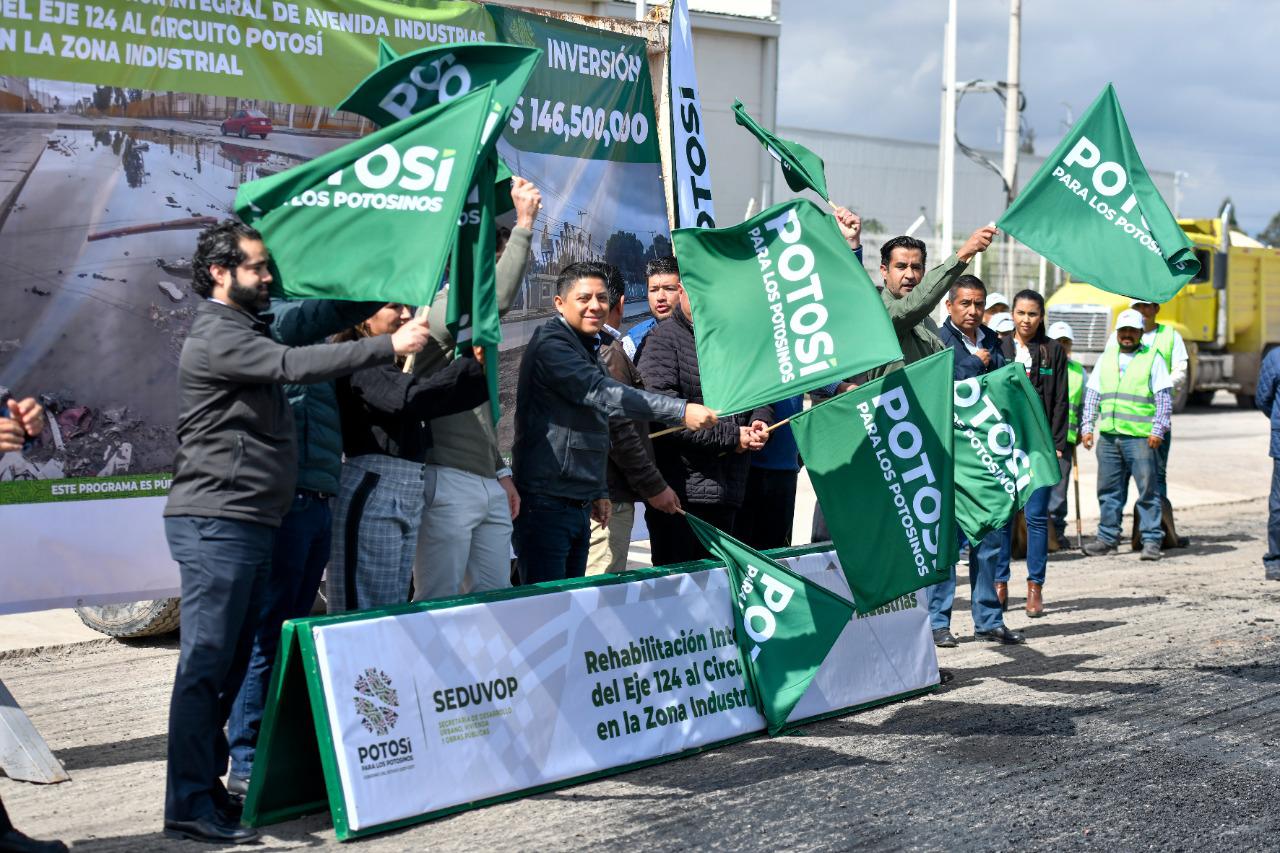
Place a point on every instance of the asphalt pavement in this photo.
(1143, 713)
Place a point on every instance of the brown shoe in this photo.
(1002, 595)
(1035, 603)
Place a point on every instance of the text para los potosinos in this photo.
(1109, 179)
(915, 497)
(992, 440)
(652, 694)
(414, 171)
(797, 318)
(265, 25)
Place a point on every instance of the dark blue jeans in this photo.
(297, 565)
(552, 538)
(224, 566)
(1271, 559)
(984, 563)
(1162, 466)
(1119, 458)
(1036, 514)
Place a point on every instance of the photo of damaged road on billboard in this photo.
(102, 192)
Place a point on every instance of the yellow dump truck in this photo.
(1229, 315)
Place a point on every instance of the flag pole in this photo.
(1075, 476)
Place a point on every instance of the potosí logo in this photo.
(445, 78)
(916, 498)
(777, 595)
(418, 169)
(796, 309)
(1108, 179)
(375, 702)
(991, 439)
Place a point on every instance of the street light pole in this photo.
(1009, 168)
(947, 140)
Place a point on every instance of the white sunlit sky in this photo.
(1199, 82)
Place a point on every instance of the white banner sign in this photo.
(692, 193)
(437, 708)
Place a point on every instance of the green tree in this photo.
(1271, 234)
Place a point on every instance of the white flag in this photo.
(692, 194)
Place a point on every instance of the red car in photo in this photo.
(246, 123)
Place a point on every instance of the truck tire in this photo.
(1200, 398)
(132, 619)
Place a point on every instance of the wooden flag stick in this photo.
(660, 433)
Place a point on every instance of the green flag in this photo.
(1003, 449)
(802, 169)
(386, 53)
(1093, 210)
(374, 219)
(472, 311)
(879, 458)
(780, 306)
(786, 624)
(404, 85)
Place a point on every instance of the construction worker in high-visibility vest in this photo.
(1076, 377)
(1170, 347)
(1128, 406)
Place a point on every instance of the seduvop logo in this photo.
(376, 702)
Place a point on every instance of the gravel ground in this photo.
(1143, 713)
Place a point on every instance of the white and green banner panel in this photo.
(423, 710)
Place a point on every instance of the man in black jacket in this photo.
(708, 469)
(977, 351)
(233, 482)
(632, 475)
(564, 400)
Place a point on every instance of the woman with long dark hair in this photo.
(1046, 365)
(385, 437)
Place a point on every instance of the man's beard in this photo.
(248, 298)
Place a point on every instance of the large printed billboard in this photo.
(125, 127)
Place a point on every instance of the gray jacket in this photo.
(564, 400)
(237, 451)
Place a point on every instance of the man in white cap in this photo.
(997, 303)
(1076, 377)
(1128, 404)
(1169, 347)
(1001, 324)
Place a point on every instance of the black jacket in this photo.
(237, 449)
(385, 410)
(564, 400)
(702, 467)
(633, 474)
(968, 365)
(1049, 377)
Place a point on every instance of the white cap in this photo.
(1135, 303)
(997, 298)
(1060, 330)
(1002, 322)
(1129, 319)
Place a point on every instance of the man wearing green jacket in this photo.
(470, 498)
(910, 295)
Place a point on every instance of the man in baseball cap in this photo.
(997, 303)
(1127, 411)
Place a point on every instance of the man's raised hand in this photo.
(527, 200)
(978, 241)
